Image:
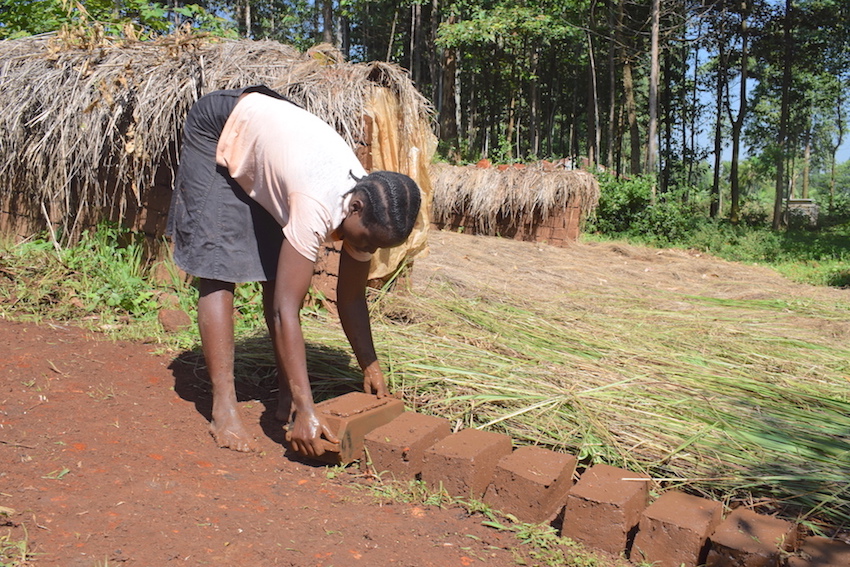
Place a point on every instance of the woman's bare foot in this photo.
(227, 430)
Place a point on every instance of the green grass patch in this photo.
(14, 552)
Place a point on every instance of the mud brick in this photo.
(747, 539)
(464, 462)
(352, 416)
(603, 510)
(399, 446)
(674, 530)
(531, 483)
(559, 233)
(821, 552)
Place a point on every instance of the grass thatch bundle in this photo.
(87, 121)
(492, 196)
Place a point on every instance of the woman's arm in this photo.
(354, 316)
(294, 274)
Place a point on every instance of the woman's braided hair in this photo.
(391, 203)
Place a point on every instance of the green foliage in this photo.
(107, 278)
(621, 202)
(506, 24)
(20, 18)
(108, 269)
(626, 209)
(103, 281)
(818, 256)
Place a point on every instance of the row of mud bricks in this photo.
(607, 508)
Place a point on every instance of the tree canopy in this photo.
(637, 87)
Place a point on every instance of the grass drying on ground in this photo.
(745, 400)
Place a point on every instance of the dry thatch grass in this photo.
(86, 120)
(488, 195)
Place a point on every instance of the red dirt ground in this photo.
(107, 461)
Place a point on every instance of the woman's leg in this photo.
(284, 397)
(215, 323)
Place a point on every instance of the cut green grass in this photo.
(14, 552)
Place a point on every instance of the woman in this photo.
(262, 184)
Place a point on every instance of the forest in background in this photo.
(639, 88)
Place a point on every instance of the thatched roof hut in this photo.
(537, 202)
(90, 127)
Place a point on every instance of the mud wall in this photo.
(559, 227)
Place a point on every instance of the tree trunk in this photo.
(738, 123)
(631, 112)
(344, 37)
(668, 125)
(327, 21)
(629, 97)
(652, 141)
(247, 15)
(433, 52)
(782, 142)
(612, 88)
(416, 42)
(509, 133)
(534, 102)
(392, 37)
(694, 116)
(839, 122)
(593, 134)
(716, 198)
(448, 106)
(807, 160)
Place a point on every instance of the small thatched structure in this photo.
(91, 127)
(534, 203)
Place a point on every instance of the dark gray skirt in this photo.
(218, 231)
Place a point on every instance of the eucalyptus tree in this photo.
(517, 64)
(801, 57)
(732, 20)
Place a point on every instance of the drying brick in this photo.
(531, 483)
(674, 530)
(821, 552)
(351, 416)
(603, 510)
(463, 463)
(747, 539)
(399, 446)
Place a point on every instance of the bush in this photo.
(621, 201)
(626, 210)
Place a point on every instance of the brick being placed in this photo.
(604, 508)
(352, 416)
(464, 462)
(748, 539)
(821, 552)
(674, 530)
(398, 448)
(531, 483)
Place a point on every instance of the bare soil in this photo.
(105, 457)
(107, 461)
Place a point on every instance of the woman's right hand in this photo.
(306, 434)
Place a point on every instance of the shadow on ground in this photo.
(333, 372)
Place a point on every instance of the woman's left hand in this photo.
(373, 381)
